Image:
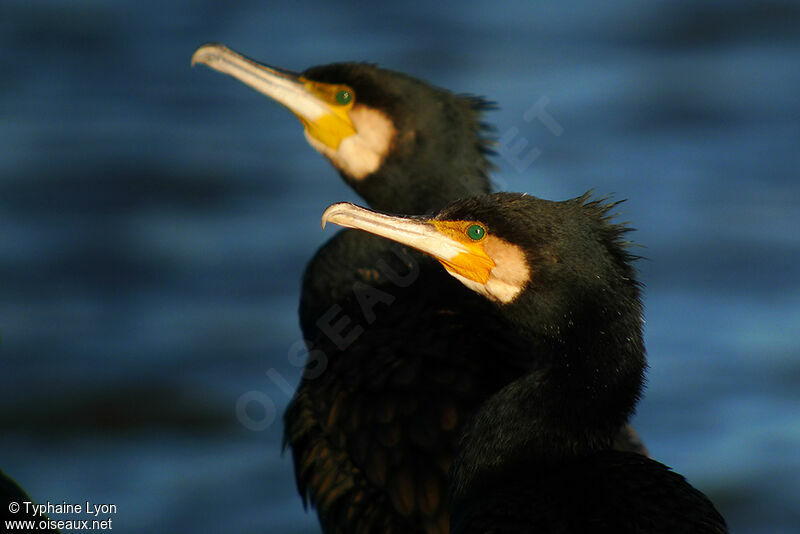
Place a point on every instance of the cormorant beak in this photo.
(446, 241)
(314, 103)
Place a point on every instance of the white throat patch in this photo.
(509, 276)
(363, 153)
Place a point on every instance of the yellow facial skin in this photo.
(333, 127)
(315, 103)
(474, 263)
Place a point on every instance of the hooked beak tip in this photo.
(198, 56)
(205, 52)
(331, 211)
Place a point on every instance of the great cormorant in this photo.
(536, 455)
(392, 372)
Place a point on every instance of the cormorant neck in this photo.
(584, 387)
(418, 188)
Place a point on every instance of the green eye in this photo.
(476, 232)
(344, 97)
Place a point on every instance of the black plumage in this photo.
(609, 491)
(535, 457)
(415, 347)
(394, 367)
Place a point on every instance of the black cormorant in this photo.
(536, 455)
(392, 372)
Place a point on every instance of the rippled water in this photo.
(154, 220)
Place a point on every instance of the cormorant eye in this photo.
(476, 232)
(344, 97)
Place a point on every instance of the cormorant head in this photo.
(529, 255)
(402, 144)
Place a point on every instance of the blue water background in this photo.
(155, 219)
